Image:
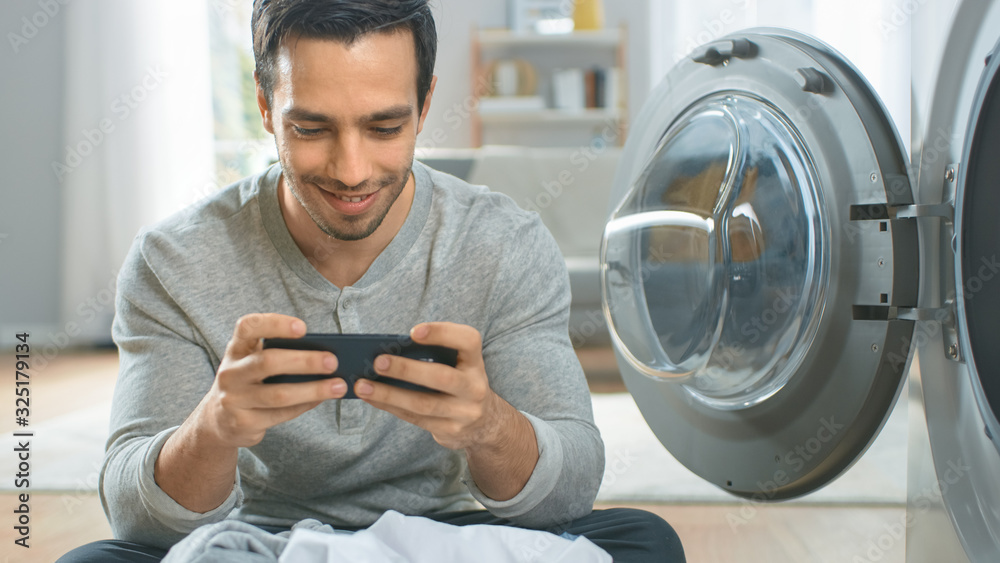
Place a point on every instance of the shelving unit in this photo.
(550, 116)
(504, 37)
(548, 54)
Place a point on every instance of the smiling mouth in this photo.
(350, 204)
(353, 199)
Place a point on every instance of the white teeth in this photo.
(350, 199)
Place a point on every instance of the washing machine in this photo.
(774, 259)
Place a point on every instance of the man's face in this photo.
(345, 121)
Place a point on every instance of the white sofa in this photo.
(569, 188)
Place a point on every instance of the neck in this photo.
(342, 262)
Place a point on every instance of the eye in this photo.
(306, 132)
(388, 131)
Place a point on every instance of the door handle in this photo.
(719, 52)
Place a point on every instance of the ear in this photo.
(427, 105)
(265, 111)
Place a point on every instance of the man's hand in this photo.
(499, 441)
(197, 464)
(240, 408)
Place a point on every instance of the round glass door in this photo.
(714, 273)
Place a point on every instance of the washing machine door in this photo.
(960, 361)
(756, 291)
(977, 245)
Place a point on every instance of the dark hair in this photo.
(345, 21)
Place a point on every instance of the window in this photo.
(879, 49)
(242, 146)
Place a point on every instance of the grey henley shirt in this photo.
(464, 255)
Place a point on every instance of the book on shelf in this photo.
(590, 88)
(568, 89)
(577, 89)
(611, 88)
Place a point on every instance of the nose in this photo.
(348, 161)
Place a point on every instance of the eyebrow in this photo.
(388, 114)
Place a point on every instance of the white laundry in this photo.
(396, 538)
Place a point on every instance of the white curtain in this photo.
(138, 136)
(869, 33)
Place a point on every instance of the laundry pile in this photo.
(393, 538)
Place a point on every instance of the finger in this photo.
(426, 422)
(395, 400)
(463, 338)
(275, 416)
(253, 369)
(283, 396)
(277, 361)
(445, 430)
(429, 374)
(251, 328)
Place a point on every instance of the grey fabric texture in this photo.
(236, 541)
(464, 255)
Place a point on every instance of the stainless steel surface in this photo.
(964, 460)
(954, 490)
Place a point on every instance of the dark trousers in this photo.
(629, 535)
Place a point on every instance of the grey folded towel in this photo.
(237, 542)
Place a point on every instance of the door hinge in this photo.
(940, 318)
(886, 212)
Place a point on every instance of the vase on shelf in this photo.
(588, 15)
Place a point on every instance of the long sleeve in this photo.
(531, 363)
(164, 372)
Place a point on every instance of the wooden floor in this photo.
(742, 532)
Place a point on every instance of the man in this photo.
(349, 235)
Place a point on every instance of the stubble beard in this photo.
(363, 225)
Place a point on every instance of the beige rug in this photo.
(66, 455)
(639, 468)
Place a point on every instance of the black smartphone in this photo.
(356, 355)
